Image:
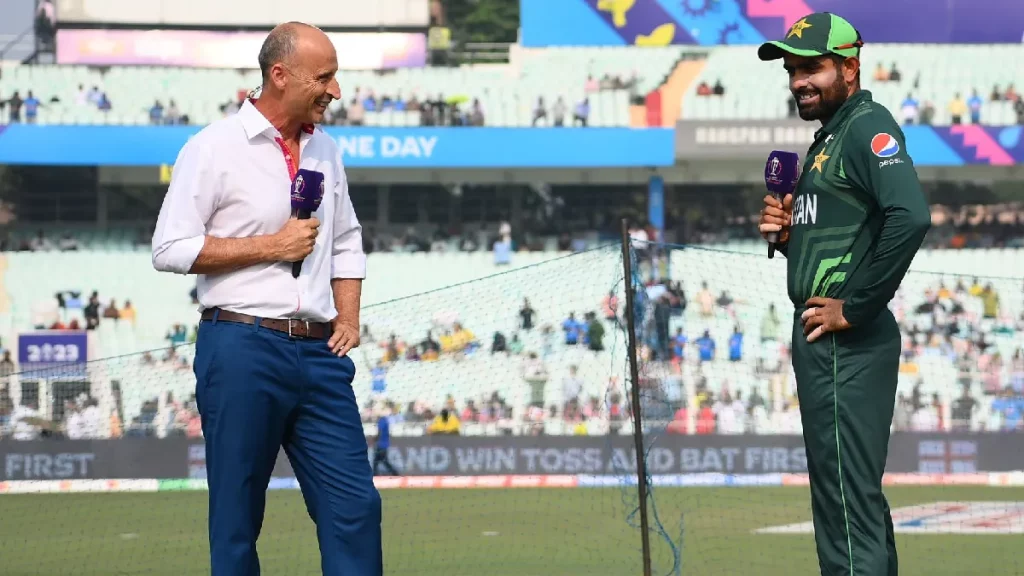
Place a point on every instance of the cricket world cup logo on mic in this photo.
(307, 192)
(774, 171)
(781, 172)
(298, 188)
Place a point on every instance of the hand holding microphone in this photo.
(299, 234)
(781, 173)
(296, 239)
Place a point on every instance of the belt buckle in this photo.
(290, 325)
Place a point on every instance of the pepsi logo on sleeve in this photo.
(884, 145)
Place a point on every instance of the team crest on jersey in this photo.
(884, 145)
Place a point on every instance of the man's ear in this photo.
(851, 69)
(278, 75)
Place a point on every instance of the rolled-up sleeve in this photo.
(181, 226)
(347, 257)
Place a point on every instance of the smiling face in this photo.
(820, 84)
(301, 64)
(312, 85)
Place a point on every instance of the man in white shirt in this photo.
(73, 423)
(22, 429)
(272, 364)
(92, 422)
(572, 387)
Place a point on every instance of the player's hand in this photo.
(296, 239)
(344, 338)
(823, 315)
(776, 216)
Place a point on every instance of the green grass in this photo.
(515, 532)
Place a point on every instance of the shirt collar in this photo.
(255, 123)
(844, 112)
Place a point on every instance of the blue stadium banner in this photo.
(55, 353)
(371, 147)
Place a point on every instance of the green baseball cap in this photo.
(815, 35)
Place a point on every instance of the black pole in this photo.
(634, 376)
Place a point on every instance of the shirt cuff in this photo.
(348, 265)
(178, 256)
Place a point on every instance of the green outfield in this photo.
(511, 532)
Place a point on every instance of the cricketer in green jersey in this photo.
(849, 233)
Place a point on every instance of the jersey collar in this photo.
(844, 112)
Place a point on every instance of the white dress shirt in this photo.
(231, 180)
(23, 430)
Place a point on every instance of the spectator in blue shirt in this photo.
(706, 347)
(156, 113)
(582, 113)
(736, 345)
(910, 109)
(679, 344)
(502, 252)
(378, 374)
(32, 105)
(572, 329)
(974, 105)
(380, 452)
(1012, 409)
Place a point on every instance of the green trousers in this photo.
(846, 384)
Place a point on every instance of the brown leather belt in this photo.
(293, 327)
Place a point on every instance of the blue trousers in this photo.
(259, 390)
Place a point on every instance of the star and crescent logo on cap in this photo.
(798, 28)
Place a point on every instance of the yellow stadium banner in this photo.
(165, 173)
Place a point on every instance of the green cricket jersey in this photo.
(859, 214)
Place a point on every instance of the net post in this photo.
(634, 376)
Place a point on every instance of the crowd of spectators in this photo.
(962, 110)
(739, 376)
(68, 310)
(439, 110)
(80, 418)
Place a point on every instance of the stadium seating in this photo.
(758, 90)
(409, 294)
(507, 92)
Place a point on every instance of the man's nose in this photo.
(334, 89)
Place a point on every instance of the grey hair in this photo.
(279, 45)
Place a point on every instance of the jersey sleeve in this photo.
(875, 159)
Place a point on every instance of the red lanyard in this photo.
(293, 167)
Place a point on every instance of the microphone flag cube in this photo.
(781, 172)
(307, 191)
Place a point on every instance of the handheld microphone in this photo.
(307, 192)
(781, 173)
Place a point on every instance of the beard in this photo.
(828, 103)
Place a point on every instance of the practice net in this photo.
(510, 407)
